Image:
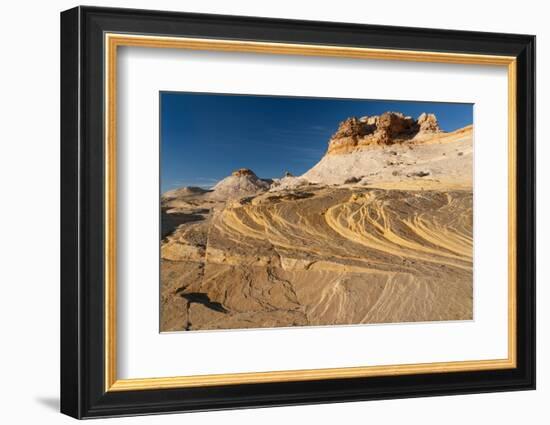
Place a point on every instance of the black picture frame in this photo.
(83, 392)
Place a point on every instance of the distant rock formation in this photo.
(243, 172)
(386, 129)
(390, 148)
(241, 182)
(183, 191)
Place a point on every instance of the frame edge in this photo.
(70, 362)
(526, 203)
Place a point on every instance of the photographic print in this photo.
(246, 184)
(298, 211)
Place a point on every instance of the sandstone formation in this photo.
(244, 172)
(183, 191)
(429, 159)
(379, 231)
(427, 123)
(387, 129)
(242, 182)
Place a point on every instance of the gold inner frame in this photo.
(113, 41)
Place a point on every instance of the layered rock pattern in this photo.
(379, 231)
(329, 256)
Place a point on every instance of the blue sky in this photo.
(204, 137)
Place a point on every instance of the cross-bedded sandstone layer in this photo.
(387, 239)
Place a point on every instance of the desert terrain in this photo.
(378, 231)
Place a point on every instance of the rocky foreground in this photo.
(379, 231)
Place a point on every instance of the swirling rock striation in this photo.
(379, 231)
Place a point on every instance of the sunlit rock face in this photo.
(379, 231)
(387, 129)
(429, 158)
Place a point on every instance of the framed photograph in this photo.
(261, 212)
